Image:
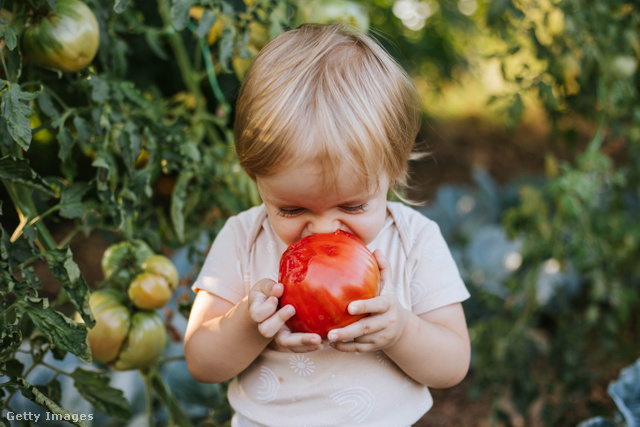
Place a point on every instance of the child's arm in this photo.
(222, 339)
(432, 348)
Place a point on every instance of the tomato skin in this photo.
(322, 274)
(145, 342)
(163, 266)
(122, 260)
(112, 324)
(149, 291)
(66, 39)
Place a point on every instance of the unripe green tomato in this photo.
(121, 260)
(163, 266)
(112, 324)
(149, 291)
(66, 39)
(145, 343)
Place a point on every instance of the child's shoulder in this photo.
(414, 229)
(246, 224)
(406, 217)
(250, 216)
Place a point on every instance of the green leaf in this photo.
(53, 390)
(14, 368)
(169, 400)
(66, 141)
(32, 393)
(120, 6)
(130, 144)
(100, 90)
(61, 331)
(45, 102)
(15, 111)
(154, 38)
(19, 171)
(11, 37)
(100, 162)
(95, 388)
(10, 335)
(64, 268)
(71, 205)
(178, 200)
(205, 24)
(227, 43)
(83, 127)
(180, 13)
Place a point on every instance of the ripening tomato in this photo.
(121, 261)
(322, 274)
(163, 266)
(145, 342)
(112, 324)
(66, 39)
(149, 291)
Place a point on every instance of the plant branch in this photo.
(188, 74)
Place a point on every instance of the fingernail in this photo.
(333, 336)
(354, 309)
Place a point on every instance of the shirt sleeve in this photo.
(221, 273)
(436, 280)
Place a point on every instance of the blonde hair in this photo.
(331, 94)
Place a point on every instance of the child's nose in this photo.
(323, 225)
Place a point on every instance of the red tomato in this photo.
(321, 275)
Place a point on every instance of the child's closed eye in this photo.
(290, 212)
(355, 208)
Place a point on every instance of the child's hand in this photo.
(297, 342)
(382, 329)
(263, 309)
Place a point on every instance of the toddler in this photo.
(326, 123)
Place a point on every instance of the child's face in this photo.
(299, 204)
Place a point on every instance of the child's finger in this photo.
(379, 304)
(298, 342)
(270, 326)
(262, 308)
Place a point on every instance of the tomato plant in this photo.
(322, 274)
(66, 39)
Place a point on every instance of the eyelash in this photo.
(355, 209)
(287, 213)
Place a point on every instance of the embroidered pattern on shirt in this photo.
(269, 386)
(359, 399)
(301, 365)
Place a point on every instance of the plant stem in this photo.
(146, 376)
(22, 201)
(188, 74)
(163, 392)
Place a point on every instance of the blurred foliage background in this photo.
(532, 117)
